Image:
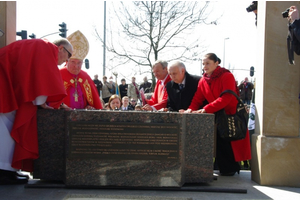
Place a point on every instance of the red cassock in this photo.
(159, 98)
(241, 148)
(28, 69)
(90, 94)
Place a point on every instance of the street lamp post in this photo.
(104, 39)
(224, 51)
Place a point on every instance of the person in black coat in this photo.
(123, 88)
(146, 85)
(98, 83)
(182, 88)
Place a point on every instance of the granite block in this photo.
(141, 172)
(193, 164)
(199, 148)
(51, 139)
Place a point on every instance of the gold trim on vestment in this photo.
(88, 92)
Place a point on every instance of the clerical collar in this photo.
(163, 81)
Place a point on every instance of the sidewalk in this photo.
(238, 186)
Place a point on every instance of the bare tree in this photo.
(150, 30)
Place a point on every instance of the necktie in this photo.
(181, 86)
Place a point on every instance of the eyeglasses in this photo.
(69, 54)
(133, 100)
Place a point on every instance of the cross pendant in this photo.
(76, 97)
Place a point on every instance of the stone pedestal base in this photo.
(64, 135)
(275, 161)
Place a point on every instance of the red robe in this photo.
(241, 148)
(88, 88)
(159, 98)
(28, 69)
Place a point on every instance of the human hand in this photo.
(200, 111)
(181, 111)
(293, 14)
(45, 106)
(88, 107)
(65, 107)
(147, 107)
(188, 111)
(163, 110)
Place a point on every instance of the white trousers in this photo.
(7, 143)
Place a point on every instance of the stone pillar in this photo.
(276, 142)
(7, 22)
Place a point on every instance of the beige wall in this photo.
(7, 22)
(276, 143)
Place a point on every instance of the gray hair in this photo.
(178, 63)
(62, 41)
(163, 63)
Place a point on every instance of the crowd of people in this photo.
(132, 90)
(71, 88)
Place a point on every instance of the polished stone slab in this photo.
(145, 172)
(199, 147)
(194, 164)
(51, 138)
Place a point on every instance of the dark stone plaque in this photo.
(194, 152)
(125, 141)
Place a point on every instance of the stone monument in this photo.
(125, 149)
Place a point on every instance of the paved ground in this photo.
(236, 187)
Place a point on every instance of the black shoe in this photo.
(245, 165)
(229, 173)
(10, 178)
(216, 166)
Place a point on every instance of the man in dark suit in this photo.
(125, 104)
(182, 88)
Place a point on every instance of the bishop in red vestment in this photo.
(29, 76)
(81, 90)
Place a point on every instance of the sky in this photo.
(236, 24)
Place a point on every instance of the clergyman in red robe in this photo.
(81, 90)
(29, 76)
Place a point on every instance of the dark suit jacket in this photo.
(128, 108)
(182, 99)
(146, 86)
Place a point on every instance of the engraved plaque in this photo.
(124, 141)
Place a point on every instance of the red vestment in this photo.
(241, 148)
(28, 69)
(87, 85)
(159, 98)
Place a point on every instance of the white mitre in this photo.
(80, 45)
